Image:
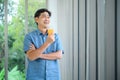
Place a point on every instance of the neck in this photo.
(43, 30)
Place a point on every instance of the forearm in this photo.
(36, 53)
(52, 56)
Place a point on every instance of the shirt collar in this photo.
(39, 32)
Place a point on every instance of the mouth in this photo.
(45, 27)
(46, 22)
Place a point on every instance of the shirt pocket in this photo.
(52, 47)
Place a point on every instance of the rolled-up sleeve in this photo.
(27, 42)
(59, 44)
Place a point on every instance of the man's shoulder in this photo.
(57, 35)
(32, 33)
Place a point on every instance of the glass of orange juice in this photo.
(50, 31)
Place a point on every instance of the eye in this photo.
(48, 17)
(45, 16)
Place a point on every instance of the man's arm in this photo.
(33, 53)
(52, 56)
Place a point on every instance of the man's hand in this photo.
(32, 47)
(50, 39)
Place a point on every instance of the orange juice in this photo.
(50, 31)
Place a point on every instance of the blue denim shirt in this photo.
(42, 69)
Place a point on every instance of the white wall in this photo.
(52, 6)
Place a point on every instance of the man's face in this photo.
(43, 20)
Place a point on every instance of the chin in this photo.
(45, 27)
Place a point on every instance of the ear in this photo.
(36, 19)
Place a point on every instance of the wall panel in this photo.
(109, 40)
(118, 39)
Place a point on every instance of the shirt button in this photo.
(44, 38)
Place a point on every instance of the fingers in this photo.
(32, 47)
(50, 39)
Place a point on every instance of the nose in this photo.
(46, 19)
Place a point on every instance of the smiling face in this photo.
(43, 21)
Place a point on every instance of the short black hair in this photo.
(39, 11)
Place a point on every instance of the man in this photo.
(43, 50)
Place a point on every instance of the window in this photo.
(19, 17)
